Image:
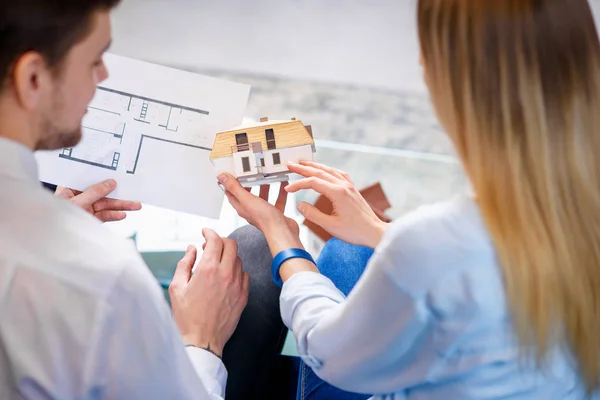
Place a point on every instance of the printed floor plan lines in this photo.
(137, 158)
(67, 154)
(117, 123)
(151, 129)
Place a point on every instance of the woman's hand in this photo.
(281, 232)
(352, 220)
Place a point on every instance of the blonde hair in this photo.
(516, 83)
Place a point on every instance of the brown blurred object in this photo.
(373, 194)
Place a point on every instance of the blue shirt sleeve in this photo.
(371, 341)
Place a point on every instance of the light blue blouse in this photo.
(427, 320)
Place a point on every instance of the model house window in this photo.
(241, 139)
(276, 159)
(270, 139)
(262, 162)
(246, 164)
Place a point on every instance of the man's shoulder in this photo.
(59, 239)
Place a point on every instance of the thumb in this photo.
(94, 193)
(233, 186)
(183, 272)
(313, 214)
(64, 192)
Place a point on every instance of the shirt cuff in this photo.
(210, 370)
(306, 286)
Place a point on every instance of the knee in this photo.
(337, 255)
(335, 248)
(248, 235)
(251, 242)
(343, 252)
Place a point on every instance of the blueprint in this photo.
(151, 128)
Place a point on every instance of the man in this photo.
(81, 317)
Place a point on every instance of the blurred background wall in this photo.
(371, 43)
(349, 68)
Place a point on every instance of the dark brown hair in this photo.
(49, 27)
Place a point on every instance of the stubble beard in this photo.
(53, 136)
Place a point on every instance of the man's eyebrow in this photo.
(105, 49)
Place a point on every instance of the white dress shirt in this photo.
(81, 316)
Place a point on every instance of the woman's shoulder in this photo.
(436, 241)
(443, 225)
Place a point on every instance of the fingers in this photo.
(333, 171)
(233, 186)
(320, 186)
(235, 203)
(230, 253)
(183, 272)
(308, 171)
(238, 273)
(118, 205)
(245, 286)
(313, 214)
(264, 192)
(110, 215)
(214, 247)
(63, 192)
(282, 197)
(95, 193)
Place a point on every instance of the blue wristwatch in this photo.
(282, 257)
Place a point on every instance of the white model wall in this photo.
(237, 163)
(233, 165)
(224, 164)
(293, 154)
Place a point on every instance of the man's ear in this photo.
(30, 75)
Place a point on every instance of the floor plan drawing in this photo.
(117, 123)
(151, 128)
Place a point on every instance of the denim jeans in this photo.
(343, 264)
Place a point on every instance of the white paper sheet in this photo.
(151, 129)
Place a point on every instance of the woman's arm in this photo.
(370, 342)
(281, 233)
(352, 219)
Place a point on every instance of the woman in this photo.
(494, 296)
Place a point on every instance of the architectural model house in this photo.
(259, 154)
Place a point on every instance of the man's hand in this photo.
(94, 201)
(208, 304)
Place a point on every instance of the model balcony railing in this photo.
(247, 146)
(240, 147)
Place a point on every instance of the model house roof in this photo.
(287, 134)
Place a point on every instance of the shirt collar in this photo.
(17, 161)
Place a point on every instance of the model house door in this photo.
(241, 139)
